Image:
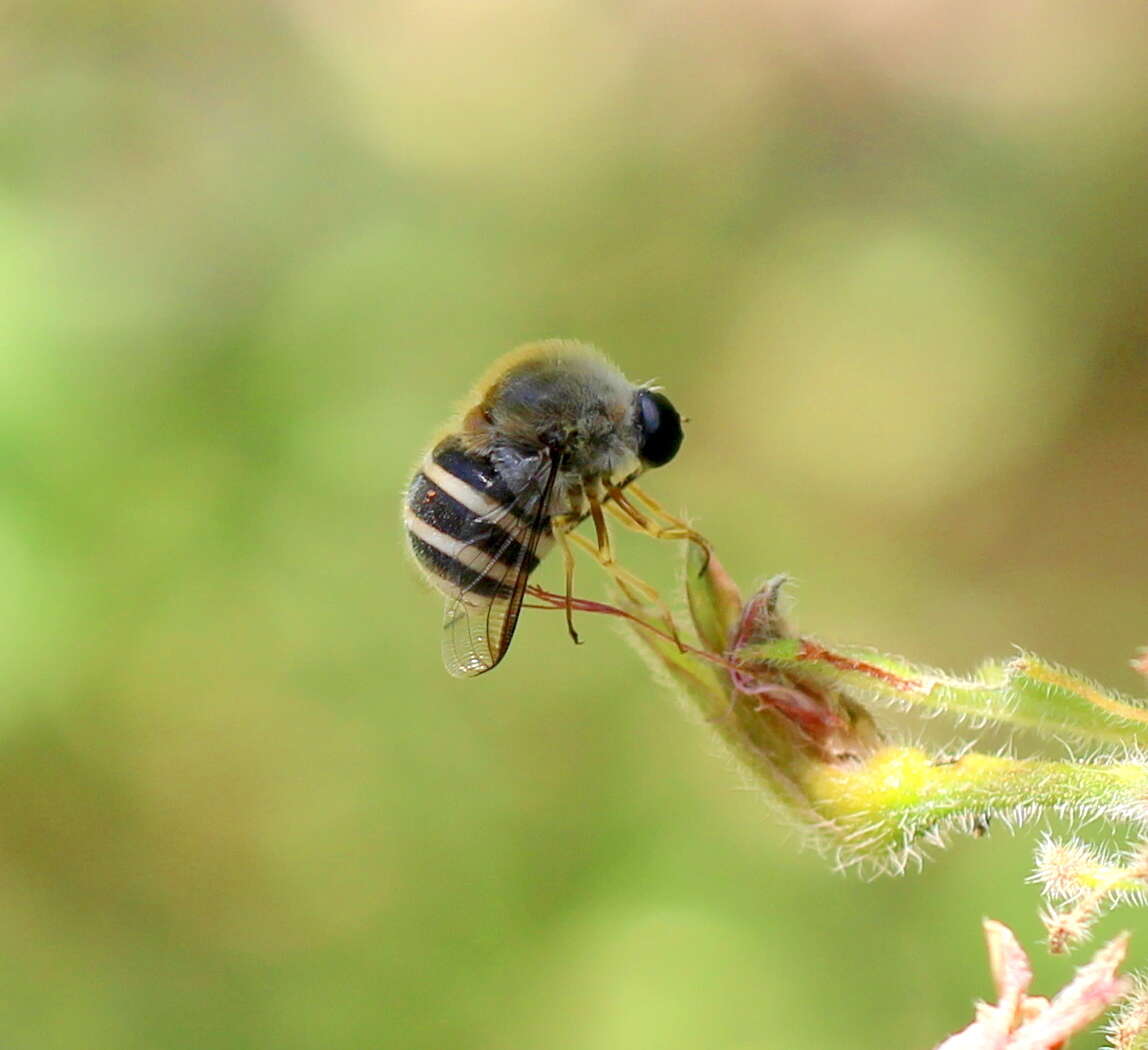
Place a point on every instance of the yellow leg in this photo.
(568, 562)
(651, 504)
(630, 516)
(634, 520)
(601, 532)
(676, 530)
(630, 584)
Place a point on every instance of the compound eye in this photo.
(659, 428)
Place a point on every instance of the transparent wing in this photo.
(480, 620)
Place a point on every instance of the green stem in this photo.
(890, 802)
(1023, 692)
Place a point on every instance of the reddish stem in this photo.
(802, 707)
(559, 601)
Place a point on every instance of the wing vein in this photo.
(477, 632)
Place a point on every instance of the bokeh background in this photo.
(890, 259)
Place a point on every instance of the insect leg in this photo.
(624, 509)
(632, 586)
(605, 552)
(629, 583)
(563, 536)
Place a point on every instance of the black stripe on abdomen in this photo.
(479, 473)
(453, 572)
(431, 504)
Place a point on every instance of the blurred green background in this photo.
(889, 258)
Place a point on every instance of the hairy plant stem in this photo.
(795, 713)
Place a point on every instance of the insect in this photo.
(555, 434)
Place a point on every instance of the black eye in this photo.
(659, 428)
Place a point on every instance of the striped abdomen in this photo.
(468, 531)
